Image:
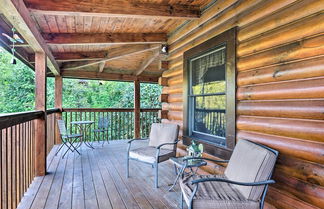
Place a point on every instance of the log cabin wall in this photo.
(280, 86)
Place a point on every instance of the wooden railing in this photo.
(212, 120)
(51, 128)
(17, 134)
(148, 116)
(17, 156)
(121, 121)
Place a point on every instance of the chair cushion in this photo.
(74, 135)
(214, 195)
(147, 154)
(163, 133)
(250, 163)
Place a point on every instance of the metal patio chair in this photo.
(103, 124)
(162, 145)
(243, 185)
(67, 139)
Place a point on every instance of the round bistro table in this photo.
(84, 127)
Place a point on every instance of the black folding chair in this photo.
(103, 124)
(67, 139)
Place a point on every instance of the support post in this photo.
(58, 104)
(137, 107)
(40, 104)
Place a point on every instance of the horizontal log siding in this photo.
(280, 80)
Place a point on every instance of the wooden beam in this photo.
(101, 66)
(120, 8)
(18, 15)
(80, 56)
(58, 104)
(75, 56)
(111, 56)
(107, 76)
(103, 38)
(137, 108)
(147, 62)
(40, 104)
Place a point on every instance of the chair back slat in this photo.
(62, 128)
(103, 122)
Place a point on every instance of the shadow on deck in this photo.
(96, 179)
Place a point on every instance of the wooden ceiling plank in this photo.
(109, 58)
(17, 13)
(147, 62)
(103, 38)
(120, 8)
(107, 76)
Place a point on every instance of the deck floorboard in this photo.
(97, 180)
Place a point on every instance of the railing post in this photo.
(137, 108)
(40, 104)
(58, 104)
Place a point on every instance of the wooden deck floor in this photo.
(96, 179)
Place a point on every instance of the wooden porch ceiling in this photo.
(101, 38)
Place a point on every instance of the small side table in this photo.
(181, 166)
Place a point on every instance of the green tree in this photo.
(17, 84)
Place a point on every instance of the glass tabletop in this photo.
(82, 122)
(179, 161)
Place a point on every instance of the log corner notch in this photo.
(163, 98)
(18, 15)
(119, 8)
(163, 81)
(163, 114)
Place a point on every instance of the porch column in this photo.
(58, 104)
(40, 124)
(137, 108)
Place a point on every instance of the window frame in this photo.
(227, 38)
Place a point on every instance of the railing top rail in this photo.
(150, 109)
(108, 109)
(98, 110)
(210, 110)
(11, 119)
(52, 110)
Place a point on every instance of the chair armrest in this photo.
(130, 141)
(234, 182)
(158, 148)
(205, 158)
(169, 143)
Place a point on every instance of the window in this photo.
(210, 93)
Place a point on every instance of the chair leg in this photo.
(74, 148)
(156, 180)
(181, 204)
(127, 166)
(59, 149)
(175, 169)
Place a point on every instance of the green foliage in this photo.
(17, 86)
